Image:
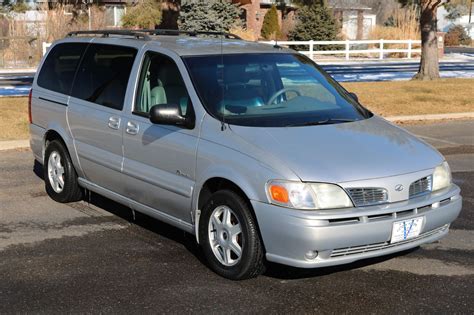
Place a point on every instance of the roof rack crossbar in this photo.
(107, 33)
(144, 34)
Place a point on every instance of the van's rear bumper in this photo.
(342, 236)
(36, 141)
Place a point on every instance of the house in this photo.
(253, 12)
(355, 17)
(114, 9)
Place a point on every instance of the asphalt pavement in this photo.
(91, 256)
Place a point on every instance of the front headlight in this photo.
(307, 196)
(441, 176)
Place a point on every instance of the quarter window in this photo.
(161, 83)
(103, 75)
(57, 72)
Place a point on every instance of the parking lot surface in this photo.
(92, 256)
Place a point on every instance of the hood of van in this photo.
(337, 153)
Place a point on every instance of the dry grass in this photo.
(244, 33)
(415, 97)
(383, 98)
(13, 118)
(406, 26)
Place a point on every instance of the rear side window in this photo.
(103, 75)
(57, 72)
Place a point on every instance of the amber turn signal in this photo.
(279, 193)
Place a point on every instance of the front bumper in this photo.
(341, 236)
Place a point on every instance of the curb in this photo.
(467, 115)
(14, 144)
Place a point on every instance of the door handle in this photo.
(114, 122)
(132, 128)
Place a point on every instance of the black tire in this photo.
(70, 191)
(251, 263)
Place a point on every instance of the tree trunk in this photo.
(429, 64)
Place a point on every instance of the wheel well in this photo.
(218, 183)
(51, 135)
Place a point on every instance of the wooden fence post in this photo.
(347, 49)
(381, 49)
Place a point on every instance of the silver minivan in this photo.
(252, 148)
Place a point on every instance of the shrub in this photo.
(270, 26)
(456, 36)
(146, 14)
(315, 22)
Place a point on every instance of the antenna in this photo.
(223, 87)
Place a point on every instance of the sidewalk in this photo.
(14, 144)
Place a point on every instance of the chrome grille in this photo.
(347, 251)
(368, 196)
(421, 186)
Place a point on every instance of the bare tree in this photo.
(429, 64)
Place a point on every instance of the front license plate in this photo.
(406, 229)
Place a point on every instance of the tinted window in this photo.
(57, 72)
(161, 83)
(272, 90)
(103, 75)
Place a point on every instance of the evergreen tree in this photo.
(210, 15)
(270, 27)
(315, 22)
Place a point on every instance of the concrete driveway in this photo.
(91, 256)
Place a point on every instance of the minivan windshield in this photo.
(270, 90)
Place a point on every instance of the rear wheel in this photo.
(59, 174)
(230, 238)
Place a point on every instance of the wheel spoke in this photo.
(226, 218)
(215, 221)
(58, 162)
(61, 181)
(222, 253)
(235, 230)
(228, 259)
(235, 247)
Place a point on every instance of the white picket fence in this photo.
(45, 47)
(380, 51)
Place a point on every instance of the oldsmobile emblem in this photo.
(399, 187)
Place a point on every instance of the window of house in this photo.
(113, 15)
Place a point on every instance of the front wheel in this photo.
(229, 236)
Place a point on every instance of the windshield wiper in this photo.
(321, 122)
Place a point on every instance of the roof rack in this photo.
(145, 34)
(107, 33)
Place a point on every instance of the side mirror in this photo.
(354, 96)
(169, 114)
